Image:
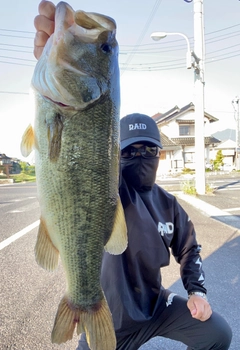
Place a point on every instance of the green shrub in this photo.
(188, 171)
(188, 187)
(209, 188)
(23, 178)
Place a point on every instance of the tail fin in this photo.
(96, 323)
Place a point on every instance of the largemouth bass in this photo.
(76, 142)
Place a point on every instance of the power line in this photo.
(191, 37)
(221, 59)
(154, 10)
(183, 59)
(15, 36)
(151, 15)
(18, 64)
(146, 66)
(160, 67)
(22, 51)
(224, 48)
(22, 46)
(17, 31)
(18, 58)
(165, 46)
(14, 93)
(220, 30)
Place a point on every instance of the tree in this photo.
(218, 162)
(24, 167)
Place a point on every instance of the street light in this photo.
(197, 64)
(156, 36)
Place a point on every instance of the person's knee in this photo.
(221, 332)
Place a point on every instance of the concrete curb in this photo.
(210, 210)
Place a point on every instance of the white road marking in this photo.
(19, 234)
(11, 202)
(25, 208)
(232, 188)
(231, 209)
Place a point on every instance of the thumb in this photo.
(192, 307)
(193, 311)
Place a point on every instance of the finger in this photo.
(39, 43)
(40, 39)
(194, 312)
(38, 51)
(205, 314)
(44, 24)
(47, 9)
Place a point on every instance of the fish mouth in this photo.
(59, 104)
(72, 108)
(86, 25)
(65, 75)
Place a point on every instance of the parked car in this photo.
(228, 167)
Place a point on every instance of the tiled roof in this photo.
(190, 141)
(156, 116)
(167, 143)
(174, 113)
(3, 156)
(184, 121)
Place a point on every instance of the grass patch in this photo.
(209, 189)
(188, 187)
(188, 171)
(23, 178)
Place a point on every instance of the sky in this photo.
(153, 77)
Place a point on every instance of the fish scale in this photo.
(76, 142)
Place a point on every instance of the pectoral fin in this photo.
(27, 141)
(118, 241)
(46, 253)
(55, 137)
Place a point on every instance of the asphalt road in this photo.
(29, 295)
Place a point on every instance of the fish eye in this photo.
(106, 48)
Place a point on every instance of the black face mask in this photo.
(139, 172)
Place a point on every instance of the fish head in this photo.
(79, 64)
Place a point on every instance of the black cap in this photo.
(138, 127)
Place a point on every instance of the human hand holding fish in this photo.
(76, 143)
(44, 24)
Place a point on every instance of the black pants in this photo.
(176, 323)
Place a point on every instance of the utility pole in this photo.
(235, 104)
(199, 51)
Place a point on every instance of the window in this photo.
(189, 157)
(186, 130)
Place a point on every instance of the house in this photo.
(177, 129)
(228, 148)
(5, 164)
(9, 165)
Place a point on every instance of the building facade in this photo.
(177, 129)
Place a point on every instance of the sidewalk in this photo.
(219, 234)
